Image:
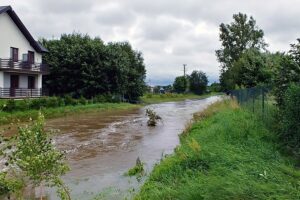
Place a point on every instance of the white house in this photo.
(21, 64)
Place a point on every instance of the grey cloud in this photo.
(159, 28)
(114, 15)
(168, 32)
(65, 6)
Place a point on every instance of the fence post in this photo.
(263, 102)
(253, 101)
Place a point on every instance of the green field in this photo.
(227, 153)
(170, 97)
(23, 116)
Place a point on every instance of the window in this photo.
(25, 57)
(14, 54)
(30, 57)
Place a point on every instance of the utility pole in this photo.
(184, 75)
(184, 70)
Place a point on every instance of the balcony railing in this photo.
(19, 66)
(21, 92)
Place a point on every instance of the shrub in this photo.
(69, 101)
(10, 105)
(290, 118)
(82, 100)
(52, 102)
(137, 170)
(61, 101)
(38, 103)
(99, 99)
(22, 105)
(149, 95)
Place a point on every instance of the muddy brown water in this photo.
(101, 148)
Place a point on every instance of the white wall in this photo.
(11, 36)
(1, 79)
(23, 80)
(6, 80)
(38, 81)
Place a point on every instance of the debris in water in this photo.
(153, 117)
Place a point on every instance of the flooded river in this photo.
(101, 148)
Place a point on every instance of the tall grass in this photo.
(228, 153)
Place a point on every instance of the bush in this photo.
(10, 105)
(38, 103)
(61, 101)
(149, 95)
(82, 100)
(69, 101)
(52, 102)
(290, 118)
(23, 105)
(99, 99)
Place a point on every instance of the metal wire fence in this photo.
(258, 100)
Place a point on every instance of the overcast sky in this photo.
(168, 32)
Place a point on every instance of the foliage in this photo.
(138, 169)
(180, 84)
(215, 87)
(285, 72)
(290, 119)
(229, 154)
(34, 159)
(295, 51)
(94, 67)
(198, 82)
(251, 69)
(153, 117)
(53, 102)
(9, 184)
(236, 37)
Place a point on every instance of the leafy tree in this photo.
(285, 72)
(236, 37)
(82, 66)
(295, 52)
(179, 84)
(251, 69)
(198, 82)
(215, 87)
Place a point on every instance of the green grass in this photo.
(228, 154)
(170, 97)
(24, 116)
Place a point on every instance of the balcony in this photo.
(23, 66)
(22, 93)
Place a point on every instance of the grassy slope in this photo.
(227, 155)
(6, 118)
(157, 98)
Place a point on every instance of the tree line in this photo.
(85, 66)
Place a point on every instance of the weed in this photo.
(227, 153)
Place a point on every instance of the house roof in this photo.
(36, 45)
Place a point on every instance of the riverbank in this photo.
(24, 116)
(227, 153)
(170, 97)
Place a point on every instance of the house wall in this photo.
(11, 36)
(1, 79)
